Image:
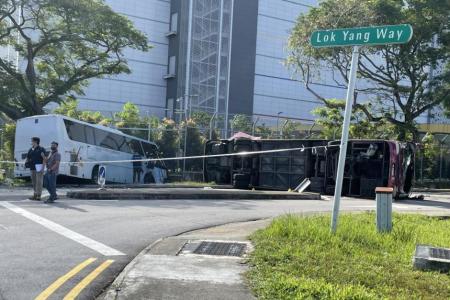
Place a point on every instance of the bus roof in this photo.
(105, 128)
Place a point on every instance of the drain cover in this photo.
(221, 248)
(432, 258)
(440, 253)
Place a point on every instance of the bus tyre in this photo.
(241, 181)
(94, 176)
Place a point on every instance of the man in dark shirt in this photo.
(53, 161)
(35, 161)
(137, 167)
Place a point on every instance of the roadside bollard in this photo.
(384, 208)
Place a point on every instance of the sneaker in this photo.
(32, 198)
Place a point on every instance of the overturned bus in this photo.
(369, 163)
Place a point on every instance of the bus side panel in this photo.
(44, 127)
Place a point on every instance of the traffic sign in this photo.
(356, 37)
(102, 176)
(377, 35)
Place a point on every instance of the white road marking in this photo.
(83, 240)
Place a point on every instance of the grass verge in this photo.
(298, 258)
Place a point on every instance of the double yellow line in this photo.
(81, 285)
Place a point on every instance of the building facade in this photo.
(229, 57)
(145, 86)
(224, 57)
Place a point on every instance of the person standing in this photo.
(53, 162)
(137, 167)
(35, 161)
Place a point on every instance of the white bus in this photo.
(83, 142)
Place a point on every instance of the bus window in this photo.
(75, 131)
(135, 146)
(101, 139)
(114, 141)
(90, 137)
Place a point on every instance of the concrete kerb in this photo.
(117, 283)
(121, 277)
(189, 194)
(191, 234)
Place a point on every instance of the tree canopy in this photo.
(61, 44)
(396, 76)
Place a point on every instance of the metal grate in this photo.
(440, 253)
(221, 248)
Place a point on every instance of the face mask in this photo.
(53, 148)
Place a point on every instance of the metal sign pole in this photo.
(344, 138)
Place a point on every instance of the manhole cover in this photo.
(432, 258)
(221, 248)
(440, 253)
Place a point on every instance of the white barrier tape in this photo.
(245, 153)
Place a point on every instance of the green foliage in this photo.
(290, 130)
(446, 82)
(201, 119)
(129, 117)
(397, 75)
(263, 131)
(331, 117)
(241, 123)
(298, 258)
(195, 145)
(7, 136)
(70, 109)
(430, 151)
(168, 140)
(69, 43)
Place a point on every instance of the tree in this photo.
(63, 44)
(7, 136)
(331, 117)
(195, 145)
(168, 140)
(289, 130)
(201, 119)
(430, 149)
(70, 109)
(263, 131)
(241, 123)
(129, 117)
(398, 75)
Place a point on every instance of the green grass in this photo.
(298, 258)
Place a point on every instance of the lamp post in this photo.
(278, 122)
(254, 126)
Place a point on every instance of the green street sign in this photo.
(378, 35)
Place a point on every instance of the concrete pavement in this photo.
(33, 256)
(168, 269)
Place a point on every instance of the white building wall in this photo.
(275, 88)
(145, 85)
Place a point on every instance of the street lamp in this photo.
(278, 122)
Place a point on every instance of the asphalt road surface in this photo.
(75, 248)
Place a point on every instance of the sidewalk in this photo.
(169, 269)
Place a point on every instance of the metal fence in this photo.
(433, 171)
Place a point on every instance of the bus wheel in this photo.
(94, 176)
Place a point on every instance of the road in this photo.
(41, 244)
